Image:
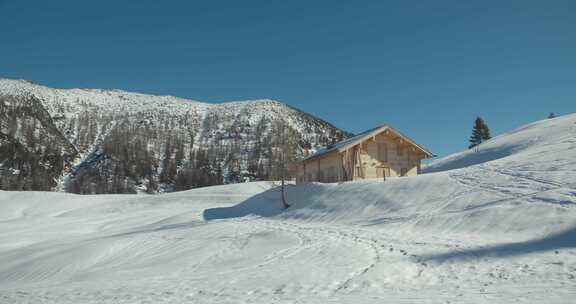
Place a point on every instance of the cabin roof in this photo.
(356, 139)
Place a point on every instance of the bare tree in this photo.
(285, 144)
(283, 174)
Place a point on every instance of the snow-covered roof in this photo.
(354, 140)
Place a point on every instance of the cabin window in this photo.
(382, 152)
(403, 172)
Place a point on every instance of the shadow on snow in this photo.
(264, 204)
(561, 240)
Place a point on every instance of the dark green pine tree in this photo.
(480, 133)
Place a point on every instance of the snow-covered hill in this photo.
(541, 140)
(498, 231)
(124, 141)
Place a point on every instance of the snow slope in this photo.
(498, 231)
(540, 140)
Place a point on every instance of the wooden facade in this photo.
(375, 154)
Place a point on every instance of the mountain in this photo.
(493, 225)
(112, 141)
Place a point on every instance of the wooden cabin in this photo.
(375, 154)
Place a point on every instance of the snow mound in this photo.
(541, 137)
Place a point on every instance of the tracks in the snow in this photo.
(313, 238)
(504, 191)
(327, 234)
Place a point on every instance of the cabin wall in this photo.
(327, 169)
(331, 168)
(397, 158)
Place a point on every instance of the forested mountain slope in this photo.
(111, 141)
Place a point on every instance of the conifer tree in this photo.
(480, 133)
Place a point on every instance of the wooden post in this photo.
(285, 204)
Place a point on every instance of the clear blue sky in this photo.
(425, 67)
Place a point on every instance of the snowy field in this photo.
(496, 225)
